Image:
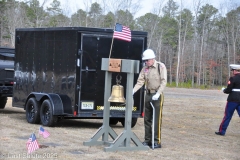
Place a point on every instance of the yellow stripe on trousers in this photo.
(160, 118)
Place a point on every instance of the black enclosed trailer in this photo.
(6, 74)
(58, 73)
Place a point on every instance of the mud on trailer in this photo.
(57, 73)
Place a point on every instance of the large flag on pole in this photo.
(32, 143)
(122, 32)
(43, 132)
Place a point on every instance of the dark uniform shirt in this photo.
(233, 83)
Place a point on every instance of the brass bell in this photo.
(117, 94)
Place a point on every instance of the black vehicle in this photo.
(58, 73)
(6, 74)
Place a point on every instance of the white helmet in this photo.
(148, 54)
(235, 67)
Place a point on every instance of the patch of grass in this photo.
(189, 85)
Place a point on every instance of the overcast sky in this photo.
(146, 5)
(149, 5)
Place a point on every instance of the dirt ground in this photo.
(190, 118)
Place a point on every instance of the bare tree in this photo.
(156, 10)
(130, 6)
(196, 8)
(185, 33)
(15, 19)
(2, 20)
(179, 43)
(234, 24)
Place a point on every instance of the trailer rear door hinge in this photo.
(80, 52)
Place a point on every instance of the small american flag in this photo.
(122, 32)
(32, 144)
(43, 132)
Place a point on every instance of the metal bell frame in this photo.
(121, 142)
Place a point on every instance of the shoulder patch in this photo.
(162, 65)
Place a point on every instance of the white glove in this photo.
(223, 88)
(156, 96)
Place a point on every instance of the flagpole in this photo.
(111, 48)
(112, 43)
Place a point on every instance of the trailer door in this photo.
(94, 47)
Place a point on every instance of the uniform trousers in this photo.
(229, 110)
(148, 115)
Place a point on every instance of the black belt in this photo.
(150, 91)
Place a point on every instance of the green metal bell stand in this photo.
(120, 142)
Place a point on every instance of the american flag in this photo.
(43, 132)
(122, 32)
(32, 144)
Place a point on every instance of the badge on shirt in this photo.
(146, 70)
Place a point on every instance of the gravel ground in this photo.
(190, 118)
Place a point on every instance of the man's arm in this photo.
(229, 86)
(140, 81)
(163, 78)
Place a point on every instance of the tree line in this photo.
(197, 44)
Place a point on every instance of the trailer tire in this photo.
(134, 122)
(3, 101)
(113, 121)
(32, 111)
(46, 114)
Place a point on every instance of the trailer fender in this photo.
(59, 102)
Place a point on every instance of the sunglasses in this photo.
(147, 60)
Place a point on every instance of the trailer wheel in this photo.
(113, 121)
(46, 114)
(3, 101)
(32, 111)
(134, 122)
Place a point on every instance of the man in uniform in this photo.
(233, 100)
(154, 76)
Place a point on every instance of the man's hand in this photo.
(223, 88)
(156, 96)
